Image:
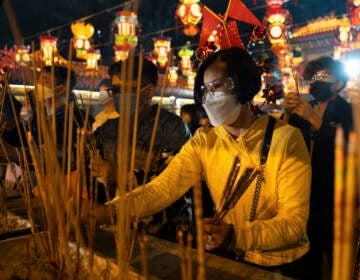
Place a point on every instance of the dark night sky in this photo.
(37, 16)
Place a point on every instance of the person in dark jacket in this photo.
(318, 121)
(171, 135)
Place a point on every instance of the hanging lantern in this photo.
(356, 3)
(186, 63)
(173, 75)
(125, 38)
(189, 13)
(82, 33)
(48, 48)
(191, 80)
(162, 47)
(92, 58)
(277, 25)
(345, 35)
(120, 54)
(22, 57)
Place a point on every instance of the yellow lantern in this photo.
(345, 35)
(191, 80)
(125, 39)
(173, 76)
(48, 48)
(189, 12)
(186, 64)
(82, 34)
(92, 58)
(277, 28)
(22, 57)
(161, 51)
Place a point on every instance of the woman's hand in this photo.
(217, 234)
(291, 101)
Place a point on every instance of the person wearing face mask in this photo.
(53, 98)
(106, 101)
(267, 225)
(171, 134)
(318, 121)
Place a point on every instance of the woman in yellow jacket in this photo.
(273, 233)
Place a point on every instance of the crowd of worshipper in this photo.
(267, 183)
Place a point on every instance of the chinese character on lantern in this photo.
(22, 57)
(48, 49)
(161, 50)
(189, 13)
(125, 38)
(92, 58)
(173, 76)
(186, 63)
(82, 33)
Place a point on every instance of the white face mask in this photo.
(222, 108)
(26, 113)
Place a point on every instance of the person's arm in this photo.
(182, 173)
(292, 178)
(306, 111)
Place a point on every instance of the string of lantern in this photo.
(223, 33)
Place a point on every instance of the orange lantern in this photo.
(92, 58)
(82, 34)
(186, 64)
(161, 50)
(125, 39)
(189, 12)
(173, 76)
(48, 48)
(22, 57)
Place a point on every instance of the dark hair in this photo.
(333, 67)
(149, 70)
(240, 66)
(60, 75)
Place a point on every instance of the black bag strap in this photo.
(267, 140)
(263, 157)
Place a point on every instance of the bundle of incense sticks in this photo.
(344, 207)
(234, 190)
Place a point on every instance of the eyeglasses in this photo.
(322, 76)
(224, 84)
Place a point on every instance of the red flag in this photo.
(238, 10)
(210, 22)
(233, 34)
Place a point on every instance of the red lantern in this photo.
(161, 51)
(189, 13)
(125, 39)
(48, 48)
